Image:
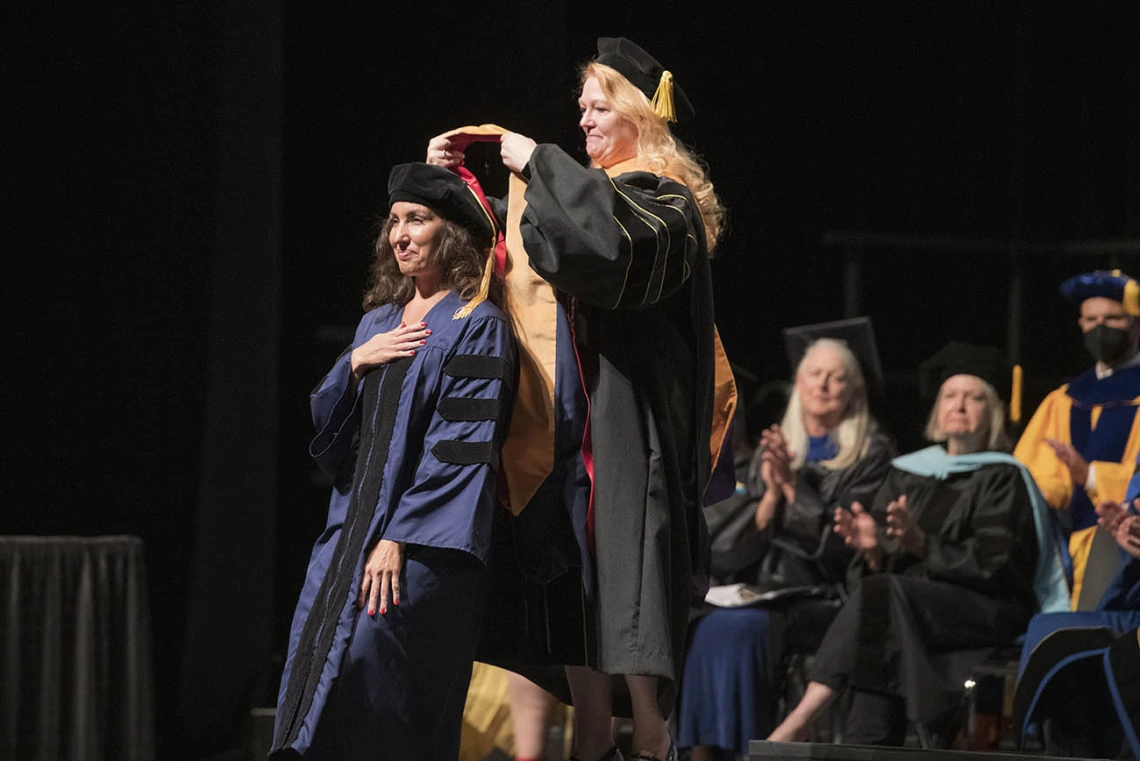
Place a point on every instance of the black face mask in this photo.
(1108, 345)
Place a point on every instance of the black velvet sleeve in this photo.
(619, 243)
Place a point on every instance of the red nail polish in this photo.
(372, 611)
(422, 343)
(383, 611)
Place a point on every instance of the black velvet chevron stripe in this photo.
(466, 452)
(457, 408)
(656, 222)
(477, 366)
(381, 400)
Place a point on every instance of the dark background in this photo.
(191, 188)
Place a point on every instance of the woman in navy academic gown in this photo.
(409, 423)
(727, 691)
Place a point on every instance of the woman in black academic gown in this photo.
(625, 244)
(827, 451)
(948, 565)
(409, 423)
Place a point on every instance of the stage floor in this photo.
(762, 750)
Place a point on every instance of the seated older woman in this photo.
(953, 558)
(827, 452)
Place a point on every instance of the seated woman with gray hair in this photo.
(826, 452)
(953, 558)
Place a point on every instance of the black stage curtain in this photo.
(76, 680)
(146, 166)
(230, 614)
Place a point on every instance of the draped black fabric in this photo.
(75, 683)
(629, 252)
(916, 630)
(231, 573)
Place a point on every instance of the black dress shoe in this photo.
(670, 756)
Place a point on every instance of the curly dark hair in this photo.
(460, 258)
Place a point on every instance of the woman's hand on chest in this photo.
(382, 348)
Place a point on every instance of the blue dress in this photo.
(727, 695)
(413, 451)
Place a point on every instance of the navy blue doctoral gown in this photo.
(413, 451)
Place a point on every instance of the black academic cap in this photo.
(647, 74)
(958, 358)
(856, 333)
(444, 192)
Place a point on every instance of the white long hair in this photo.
(854, 432)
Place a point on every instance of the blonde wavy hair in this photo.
(656, 144)
(854, 432)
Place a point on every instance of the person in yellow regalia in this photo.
(1082, 442)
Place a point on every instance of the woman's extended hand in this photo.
(857, 527)
(515, 150)
(901, 525)
(381, 577)
(384, 347)
(443, 151)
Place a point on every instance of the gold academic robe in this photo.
(1098, 418)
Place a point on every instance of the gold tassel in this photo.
(484, 289)
(1132, 297)
(488, 269)
(663, 98)
(1015, 396)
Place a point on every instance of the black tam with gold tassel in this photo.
(646, 74)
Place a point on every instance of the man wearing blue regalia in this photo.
(1079, 677)
(1083, 439)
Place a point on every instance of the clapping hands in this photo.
(1123, 525)
(902, 526)
(776, 463)
(857, 527)
(859, 530)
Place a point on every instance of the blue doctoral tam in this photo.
(1109, 284)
